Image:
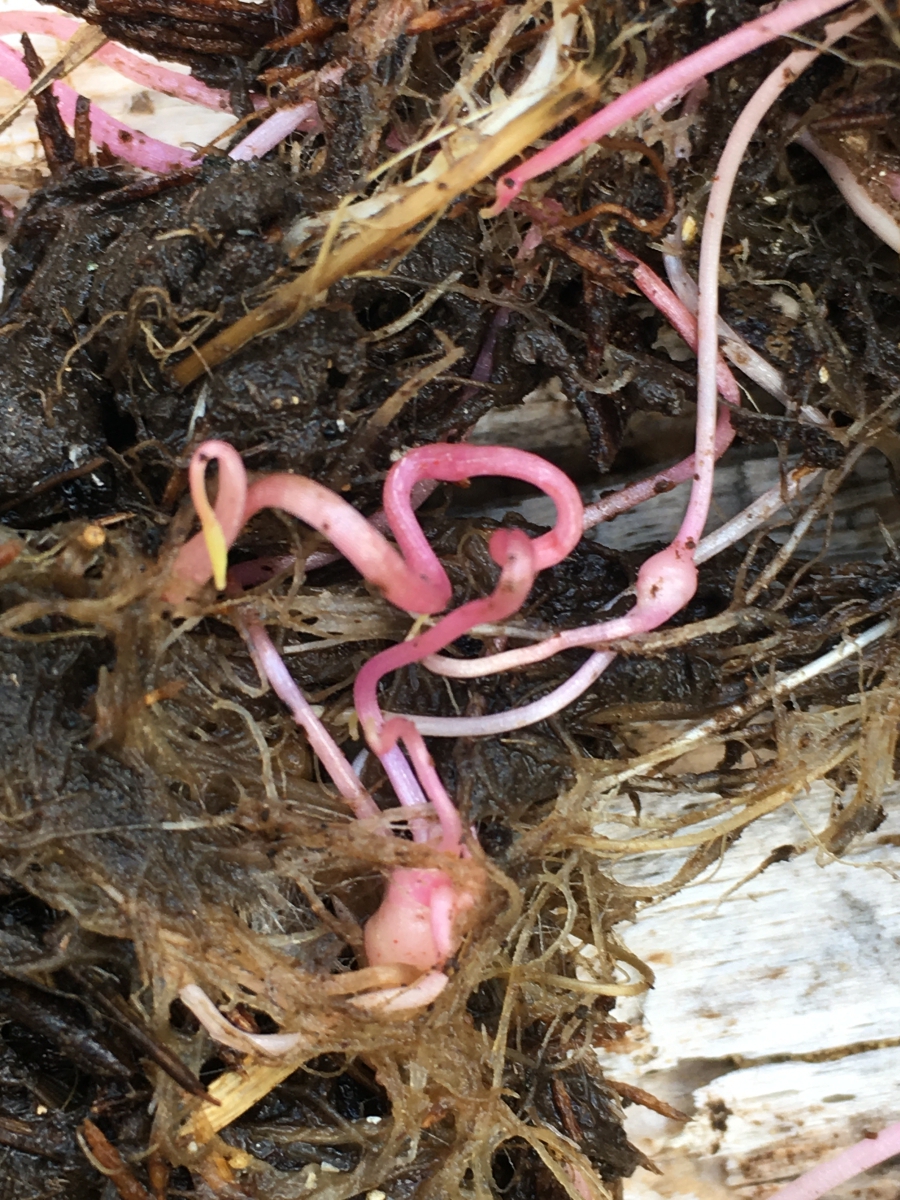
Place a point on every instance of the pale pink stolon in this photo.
(867, 1153)
(673, 80)
(122, 141)
(139, 70)
(668, 580)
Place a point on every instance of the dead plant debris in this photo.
(164, 821)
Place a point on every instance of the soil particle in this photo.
(156, 798)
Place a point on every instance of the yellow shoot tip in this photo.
(417, 626)
(214, 537)
(216, 548)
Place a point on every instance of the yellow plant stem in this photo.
(769, 802)
(469, 159)
(233, 1093)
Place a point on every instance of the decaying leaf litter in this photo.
(165, 821)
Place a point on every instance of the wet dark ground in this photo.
(133, 801)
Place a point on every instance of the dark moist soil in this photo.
(133, 801)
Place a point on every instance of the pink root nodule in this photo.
(665, 584)
(421, 921)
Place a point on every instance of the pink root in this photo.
(671, 576)
(131, 66)
(287, 120)
(413, 579)
(271, 667)
(665, 584)
(388, 1001)
(861, 1157)
(121, 140)
(858, 197)
(673, 81)
(274, 129)
(518, 718)
(685, 323)
(271, 1045)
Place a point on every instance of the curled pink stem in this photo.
(192, 567)
(673, 80)
(414, 579)
(519, 558)
(514, 551)
(271, 666)
(419, 920)
(457, 463)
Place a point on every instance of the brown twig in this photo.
(636, 1095)
(314, 31)
(59, 149)
(451, 14)
(102, 996)
(379, 235)
(109, 1162)
(82, 131)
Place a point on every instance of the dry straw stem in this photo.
(827, 759)
(735, 713)
(846, 738)
(470, 157)
(233, 1093)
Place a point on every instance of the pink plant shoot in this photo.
(674, 81)
(667, 581)
(420, 919)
